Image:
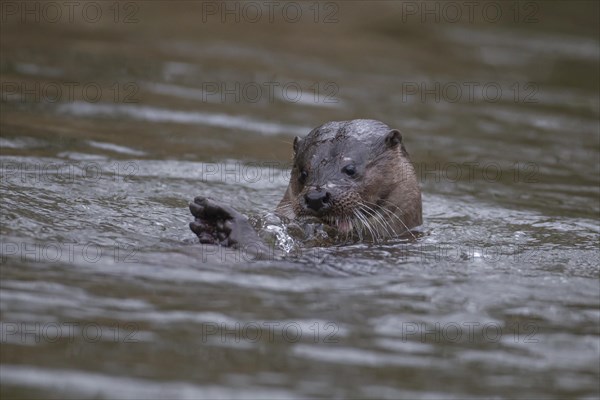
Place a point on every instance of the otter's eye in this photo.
(349, 170)
(302, 177)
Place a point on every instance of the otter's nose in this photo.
(317, 199)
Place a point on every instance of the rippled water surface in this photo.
(109, 127)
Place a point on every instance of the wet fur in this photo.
(385, 194)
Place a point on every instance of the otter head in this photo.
(356, 176)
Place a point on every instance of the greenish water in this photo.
(110, 124)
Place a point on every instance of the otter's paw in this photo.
(217, 223)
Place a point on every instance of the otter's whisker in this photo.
(378, 218)
(371, 229)
(359, 224)
(391, 215)
(401, 221)
(385, 222)
(394, 215)
(360, 218)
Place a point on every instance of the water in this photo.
(110, 128)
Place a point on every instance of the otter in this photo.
(354, 176)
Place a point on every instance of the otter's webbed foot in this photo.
(217, 223)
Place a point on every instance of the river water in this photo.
(112, 122)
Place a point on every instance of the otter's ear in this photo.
(393, 138)
(296, 143)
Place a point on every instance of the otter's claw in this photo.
(216, 223)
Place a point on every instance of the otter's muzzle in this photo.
(317, 199)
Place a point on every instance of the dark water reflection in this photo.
(109, 128)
